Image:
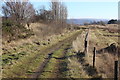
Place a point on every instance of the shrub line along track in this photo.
(50, 53)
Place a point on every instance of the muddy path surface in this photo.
(50, 52)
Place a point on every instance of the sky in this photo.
(97, 10)
(100, 10)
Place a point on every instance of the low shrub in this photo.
(7, 23)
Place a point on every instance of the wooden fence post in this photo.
(94, 52)
(86, 42)
(116, 70)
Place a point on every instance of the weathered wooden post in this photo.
(116, 70)
(94, 52)
(86, 43)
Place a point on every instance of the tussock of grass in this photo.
(78, 44)
(7, 59)
(75, 69)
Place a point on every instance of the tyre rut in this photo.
(39, 71)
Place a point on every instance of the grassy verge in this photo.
(105, 59)
(57, 66)
(49, 70)
(28, 63)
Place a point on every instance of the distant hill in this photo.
(82, 21)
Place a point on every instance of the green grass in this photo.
(70, 67)
(24, 65)
(49, 69)
(6, 59)
(75, 68)
(58, 53)
(55, 64)
(52, 65)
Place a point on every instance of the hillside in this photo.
(82, 21)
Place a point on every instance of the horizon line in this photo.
(94, 18)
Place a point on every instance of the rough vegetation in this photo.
(67, 60)
(48, 47)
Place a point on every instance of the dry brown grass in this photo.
(42, 32)
(105, 60)
(78, 44)
(105, 65)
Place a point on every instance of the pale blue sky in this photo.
(104, 10)
(99, 10)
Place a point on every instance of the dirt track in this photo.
(50, 51)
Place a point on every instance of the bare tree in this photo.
(43, 14)
(55, 10)
(5, 12)
(40, 13)
(59, 11)
(63, 14)
(20, 11)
